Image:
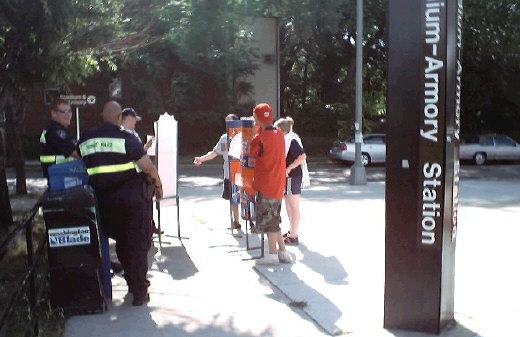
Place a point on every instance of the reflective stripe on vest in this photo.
(55, 159)
(102, 145)
(42, 137)
(112, 168)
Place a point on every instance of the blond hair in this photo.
(285, 124)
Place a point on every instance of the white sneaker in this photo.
(284, 256)
(268, 259)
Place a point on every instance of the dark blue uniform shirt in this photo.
(56, 145)
(110, 154)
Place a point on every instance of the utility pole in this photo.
(358, 174)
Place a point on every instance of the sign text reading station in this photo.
(431, 170)
(73, 236)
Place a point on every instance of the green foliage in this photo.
(53, 42)
(318, 59)
(189, 57)
(491, 67)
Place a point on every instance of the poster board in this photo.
(166, 149)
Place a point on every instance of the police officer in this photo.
(114, 161)
(56, 145)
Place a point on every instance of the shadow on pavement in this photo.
(302, 296)
(175, 261)
(328, 266)
(451, 330)
(116, 323)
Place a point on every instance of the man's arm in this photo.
(297, 162)
(197, 161)
(150, 170)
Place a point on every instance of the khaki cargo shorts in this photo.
(268, 217)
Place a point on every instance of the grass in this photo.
(12, 268)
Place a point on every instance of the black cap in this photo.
(131, 112)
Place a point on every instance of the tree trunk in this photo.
(6, 215)
(304, 84)
(15, 108)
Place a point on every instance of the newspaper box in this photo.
(75, 262)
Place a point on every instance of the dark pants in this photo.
(124, 217)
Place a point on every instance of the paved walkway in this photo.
(205, 285)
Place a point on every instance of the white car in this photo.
(482, 148)
(373, 149)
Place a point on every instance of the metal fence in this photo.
(26, 282)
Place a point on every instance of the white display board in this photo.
(166, 149)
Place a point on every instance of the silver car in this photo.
(483, 148)
(373, 149)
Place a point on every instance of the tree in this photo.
(195, 70)
(318, 61)
(44, 42)
(491, 67)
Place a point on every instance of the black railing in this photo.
(28, 280)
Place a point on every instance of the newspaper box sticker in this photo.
(73, 236)
(91, 99)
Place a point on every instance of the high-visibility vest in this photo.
(106, 145)
(110, 156)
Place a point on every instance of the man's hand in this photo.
(197, 161)
(158, 192)
(149, 143)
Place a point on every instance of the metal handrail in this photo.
(28, 278)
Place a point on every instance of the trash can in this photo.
(75, 260)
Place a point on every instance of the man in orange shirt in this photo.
(269, 183)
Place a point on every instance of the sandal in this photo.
(287, 234)
(236, 225)
(291, 241)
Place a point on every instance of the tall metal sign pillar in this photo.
(358, 174)
(423, 128)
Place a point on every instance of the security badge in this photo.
(61, 134)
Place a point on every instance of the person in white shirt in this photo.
(221, 149)
(297, 177)
(130, 118)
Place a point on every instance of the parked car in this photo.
(482, 148)
(373, 149)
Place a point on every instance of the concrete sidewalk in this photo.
(206, 285)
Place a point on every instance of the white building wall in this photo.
(266, 80)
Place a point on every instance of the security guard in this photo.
(114, 160)
(56, 145)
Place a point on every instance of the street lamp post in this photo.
(357, 171)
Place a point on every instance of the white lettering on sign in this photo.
(430, 127)
(78, 99)
(73, 236)
(431, 208)
(459, 70)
